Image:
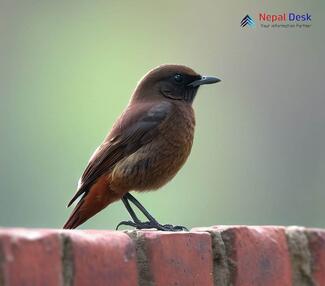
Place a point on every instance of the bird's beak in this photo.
(204, 80)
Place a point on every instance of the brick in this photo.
(99, 258)
(221, 271)
(316, 239)
(30, 257)
(257, 255)
(219, 256)
(169, 258)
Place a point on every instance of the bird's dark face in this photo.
(174, 82)
(176, 86)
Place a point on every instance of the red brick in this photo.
(102, 258)
(30, 257)
(257, 255)
(178, 258)
(316, 238)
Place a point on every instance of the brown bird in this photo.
(146, 147)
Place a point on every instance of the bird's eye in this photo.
(178, 78)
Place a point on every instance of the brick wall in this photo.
(220, 255)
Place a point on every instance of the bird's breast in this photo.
(157, 162)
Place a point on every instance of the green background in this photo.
(67, 70)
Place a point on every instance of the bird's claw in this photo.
(124, 222)
(151, 224)
(170, 227)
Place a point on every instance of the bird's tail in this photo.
(98, 197)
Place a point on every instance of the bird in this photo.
(147, 145)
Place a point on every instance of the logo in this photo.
(278, 20)
(247, 21)
(285, 17)
(285, 20)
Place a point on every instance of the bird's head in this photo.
(174, 82)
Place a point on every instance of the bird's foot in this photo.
(152, 224)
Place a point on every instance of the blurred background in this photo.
(68, 68)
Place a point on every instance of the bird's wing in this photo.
(135, 128)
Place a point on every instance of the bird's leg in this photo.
(140, 207)
(152, 223)
(130, 210)
(136, 221)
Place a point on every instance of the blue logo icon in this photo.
(247, 21)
